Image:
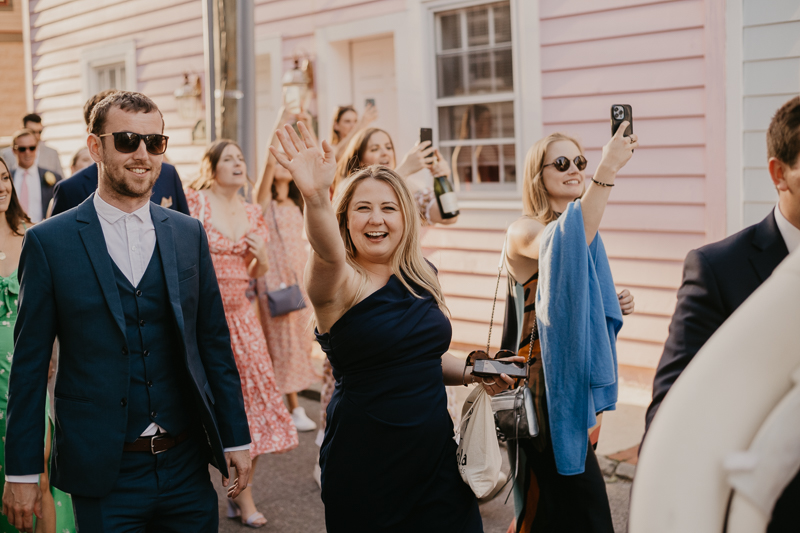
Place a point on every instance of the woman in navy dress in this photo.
(388, 458)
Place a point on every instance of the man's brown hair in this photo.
(783, 135)
(125, 101)
(93, 101)
(22, 133)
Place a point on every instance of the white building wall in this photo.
(770, 55)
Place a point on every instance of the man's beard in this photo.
(124, 186)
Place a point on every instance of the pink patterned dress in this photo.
(289, 336)
(271, 426)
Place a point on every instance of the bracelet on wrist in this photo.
(600, 183)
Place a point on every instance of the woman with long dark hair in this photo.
(346, 124)
(56, 505)
(237, 238)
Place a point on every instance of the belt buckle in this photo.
(152, 444)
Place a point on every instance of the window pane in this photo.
(478, 27)
(488, 159)
(122, 86)
(460, 159)
(480, 73)
(504, 75)
(451, 31)
(478, 121)
(451, 80)
(112, 78)
(509, 163)
(502, 24)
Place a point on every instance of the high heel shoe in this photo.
(234, 511)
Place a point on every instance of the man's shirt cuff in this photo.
(236, 448)
(31, 478)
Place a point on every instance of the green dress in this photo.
(9, 292)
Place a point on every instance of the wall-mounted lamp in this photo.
(297, 86)
(190, 98)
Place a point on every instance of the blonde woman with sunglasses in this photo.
(553, 492)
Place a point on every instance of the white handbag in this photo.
(478, 455)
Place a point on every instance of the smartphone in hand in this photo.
(486, 368)
(619, 114)
(426, 134)
(369, 102)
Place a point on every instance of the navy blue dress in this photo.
(388, 459)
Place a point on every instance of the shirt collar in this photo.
(34, 170)
(790, 233)
(112, 215)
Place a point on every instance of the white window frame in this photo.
(521, 138)
(105, 55)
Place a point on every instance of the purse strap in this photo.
(496, 288)
(272, 206)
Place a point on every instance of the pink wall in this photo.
(666, 59)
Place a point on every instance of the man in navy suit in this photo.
(719, 277)
(147, 391)
(167, 191)
(34, 184)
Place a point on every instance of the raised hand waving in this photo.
(312, 167)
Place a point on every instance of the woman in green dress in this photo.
(57, 514)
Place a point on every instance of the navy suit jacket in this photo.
(68, 290)
(167, 191)
(717, 279)
(47, 189)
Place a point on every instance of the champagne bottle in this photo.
(445, 197)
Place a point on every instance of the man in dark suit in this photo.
(167, 191)
(33, 183)
(147, 391)
(719, 277)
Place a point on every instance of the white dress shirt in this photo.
(34, 207)
(130, 241)
(790, 233)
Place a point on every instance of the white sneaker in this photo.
(301, 420)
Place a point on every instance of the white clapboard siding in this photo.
(771, 75)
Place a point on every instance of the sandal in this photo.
(234, 511)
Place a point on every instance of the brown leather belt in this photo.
(155, 444)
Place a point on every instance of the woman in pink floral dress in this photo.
(237, 238)
(289, 336)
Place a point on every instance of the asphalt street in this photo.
(287, 494)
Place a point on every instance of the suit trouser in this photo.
(168, 492)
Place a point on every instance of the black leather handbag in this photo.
(514, 412)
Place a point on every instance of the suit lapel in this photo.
(169, 262)
(770, 247)
(95, 243)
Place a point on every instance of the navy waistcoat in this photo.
(158, 390)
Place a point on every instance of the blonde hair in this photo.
(408, 263)
(535, 198)
(351, 160)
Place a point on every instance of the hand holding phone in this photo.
(619, 114)
(487, 368)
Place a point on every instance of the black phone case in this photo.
(425, 134)
(619, 114)
(490, 367)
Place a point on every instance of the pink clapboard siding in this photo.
(655, 56)
(168, 37)
(665, 59)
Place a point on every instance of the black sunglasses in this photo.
(23, 149)
(127, 142)
(562, 163)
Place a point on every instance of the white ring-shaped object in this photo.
(726, 409)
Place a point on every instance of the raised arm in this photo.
(263, 187)
(328, 277)
(616, 153)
